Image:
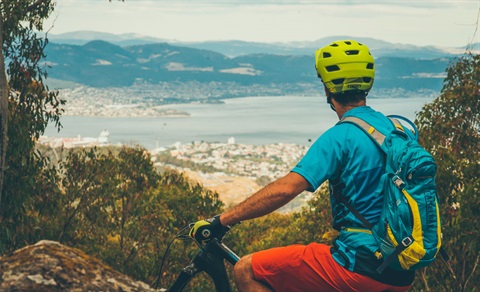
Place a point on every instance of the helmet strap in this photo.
(329, 97)
(329, 101)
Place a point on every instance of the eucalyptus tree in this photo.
(26, 106)
(450, 128)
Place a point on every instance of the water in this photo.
(251, 120)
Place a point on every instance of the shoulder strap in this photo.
(372, 131)
(379, 138)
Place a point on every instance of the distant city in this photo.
(148, 100)
(234, 170)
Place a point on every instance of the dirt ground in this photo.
(231, 189)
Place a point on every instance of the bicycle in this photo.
(210, 259)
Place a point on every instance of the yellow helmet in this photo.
(345, 65)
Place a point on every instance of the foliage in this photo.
(113, 204)
(315, 220)
(30, 107)
(450, 128)
(189, 202)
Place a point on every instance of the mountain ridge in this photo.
(284, 68)
(233, 48)
(102, 64)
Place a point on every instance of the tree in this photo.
(113, 204)
(27, 106)
(450, 129)
(3, 111)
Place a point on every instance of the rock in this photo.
(51, 266)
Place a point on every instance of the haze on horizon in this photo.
(444, 23)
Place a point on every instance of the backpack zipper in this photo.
(412, 172)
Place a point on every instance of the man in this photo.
(345, 156)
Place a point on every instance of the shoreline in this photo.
(254, 120)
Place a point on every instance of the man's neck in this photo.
(341, 110)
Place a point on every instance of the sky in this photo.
(443, 23)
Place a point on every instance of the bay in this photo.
(249, 120)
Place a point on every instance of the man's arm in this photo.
(266, 200)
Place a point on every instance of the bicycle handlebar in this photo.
(209, 259)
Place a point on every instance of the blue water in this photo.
(251, 120)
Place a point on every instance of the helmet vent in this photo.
(352, 52)
(332, 68)
(338, 81)
(334, 45)
(348, 42)
(326, 55)
(366, 79)
(370, 66)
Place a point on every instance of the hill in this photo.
(103, 64)
(234, 48)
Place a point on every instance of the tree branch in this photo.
(35, 5)
(473, 271)
(3, 111)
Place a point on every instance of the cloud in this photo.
(406, 3)
(427, 22)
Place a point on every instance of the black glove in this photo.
(205, 230)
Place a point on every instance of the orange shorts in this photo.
(310, 268)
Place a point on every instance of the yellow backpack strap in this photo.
(374, 133)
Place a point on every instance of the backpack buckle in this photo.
(407, 241)
(398, 181)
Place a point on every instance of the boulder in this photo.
(51, 266)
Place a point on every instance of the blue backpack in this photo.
(409, 230)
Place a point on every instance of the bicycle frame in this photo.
(209, 259)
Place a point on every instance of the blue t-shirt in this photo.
(346, 154)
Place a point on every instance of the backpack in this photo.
(408, 233)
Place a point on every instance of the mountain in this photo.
(235, 48)
(103, 64)
(83, 37)
(378, 48)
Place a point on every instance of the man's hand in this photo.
(205, 230)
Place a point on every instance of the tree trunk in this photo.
(3, 111)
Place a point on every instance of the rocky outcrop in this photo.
(51, 266)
